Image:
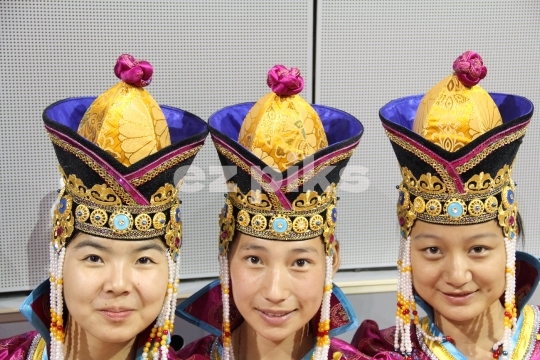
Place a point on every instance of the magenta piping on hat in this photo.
(144, 170)
(458, 183)
(462, 160)
(276, 188)
(130, 189)
(293, 177)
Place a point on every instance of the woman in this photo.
(116, 229)
(459, 225)
(277, 251)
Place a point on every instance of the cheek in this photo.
(152, 286)
(244, 284)
(309, 292)
(426, 275)
(80, 285)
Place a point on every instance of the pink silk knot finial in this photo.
(285, 82)
(469, 68)
(131, 71)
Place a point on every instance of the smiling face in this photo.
(458, 270)
(114, 289)
(277, 285)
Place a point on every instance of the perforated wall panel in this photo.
(370, 52)
(206, 55)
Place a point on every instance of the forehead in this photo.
(243, 242)
(423, 229)
(84, 240)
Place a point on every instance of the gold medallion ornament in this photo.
(243, 218)
(98, 217)
(316, 223)
(82, 213)
(433, 207)
(143, 222)
(491, 205)
(258, 222)
(419, 205)
(476, 207)
(300, 224)
(159, 220)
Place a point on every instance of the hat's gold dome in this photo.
(282, 128)
(126, 121)
(457, 110)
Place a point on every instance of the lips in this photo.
(116, 314)
(459, 298)
(275, 317)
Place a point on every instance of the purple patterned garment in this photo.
(17, 347)
(379, 344)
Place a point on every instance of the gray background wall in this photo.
(354, 55)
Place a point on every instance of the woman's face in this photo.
(114, 289)
(458, 270)
(277, 285)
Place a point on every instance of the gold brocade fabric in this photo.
(451, 115)
(282, 130)
(126, 122)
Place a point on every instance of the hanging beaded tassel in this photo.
(57, 302)
(157, 345)
(406, 306)
(225, 297)
(510, 308)
(323, 337)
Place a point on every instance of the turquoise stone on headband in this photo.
(121, 222)
(455, 209)
(280, 225)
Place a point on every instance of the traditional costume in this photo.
(283, 158)
(119, 154)
(456, 148)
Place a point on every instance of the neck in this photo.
(81, 345)
(250, 345)
(475, 338)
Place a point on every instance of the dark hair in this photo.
(520, 229)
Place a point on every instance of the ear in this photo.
(336, 258)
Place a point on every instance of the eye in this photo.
(432, 250)
(93, 259)
(254, 260)
(145, 260)
(478, 250)
(301, 262)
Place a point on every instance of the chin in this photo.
(276, 336)
(460, 314)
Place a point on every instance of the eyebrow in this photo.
(90, 243)
(149, 246)
(436, 237)
(98, 246)
(303, 250)
(253, 247)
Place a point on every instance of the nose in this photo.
(276, 285)
(457, 271)
(118, 279)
